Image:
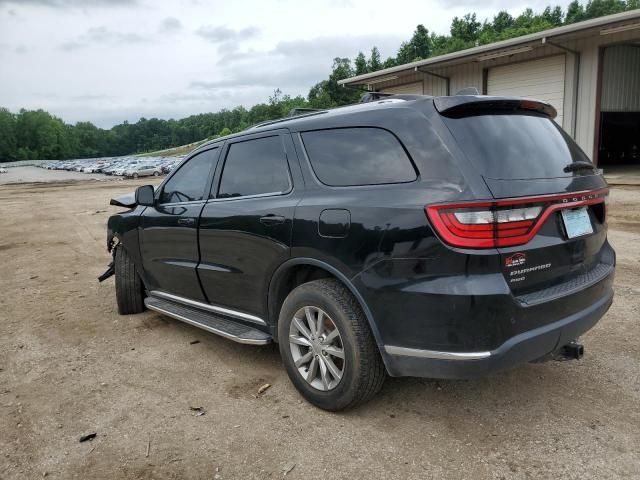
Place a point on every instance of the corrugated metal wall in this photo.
(621, 79)
(407, 88)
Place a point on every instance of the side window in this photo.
(357, 156)
(255, 167)
(188, 183)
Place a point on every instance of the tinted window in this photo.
(255, 167)
(515, 146)
(188, 183)
(357, 156)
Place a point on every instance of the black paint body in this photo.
(416, 291)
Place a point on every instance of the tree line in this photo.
(36, 134)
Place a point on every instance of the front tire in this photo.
(129, 288)
(135, 176)
(337, 366)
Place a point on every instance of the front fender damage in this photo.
(112, 245)
(122, 232)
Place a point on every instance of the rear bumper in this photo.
(525, 347)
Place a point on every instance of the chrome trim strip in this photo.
(257, 195)
(210, 308)
(222, 333)
(415, 352)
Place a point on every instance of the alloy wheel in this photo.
(317, 348)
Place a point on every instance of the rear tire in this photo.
(129, 288)
(135, 175)
(361, 369)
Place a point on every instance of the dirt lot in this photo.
(70, 365)
(36, 174)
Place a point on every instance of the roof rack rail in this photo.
(309, 112)
(468, 91)
(302, 110)
(373, 96)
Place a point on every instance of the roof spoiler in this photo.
(466, 105)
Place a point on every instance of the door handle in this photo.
(187, 222)
(270, 220)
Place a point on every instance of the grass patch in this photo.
(173, 152)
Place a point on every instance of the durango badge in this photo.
(515, 260)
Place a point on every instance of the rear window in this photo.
(357, 156)
(517, 146)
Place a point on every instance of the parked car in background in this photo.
(112, 168)
(120, 168)
(168, 167)
(142, 171)
(3, 170)
(100, 167)
(90, 168)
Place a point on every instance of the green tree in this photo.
(502, 21)
(598, 8)
(553, 16)
(389, 62)
(466, 28)
(418, 48)
(575, 12)
(361, 64)
(421, 42)
(328, 93)
(374, 64)
(8, 141)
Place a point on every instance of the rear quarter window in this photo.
(357, 156)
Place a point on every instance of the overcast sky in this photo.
(112, 60)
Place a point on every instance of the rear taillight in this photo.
(502, 223)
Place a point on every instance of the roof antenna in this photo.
(469, 91)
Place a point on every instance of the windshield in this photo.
(516, 146)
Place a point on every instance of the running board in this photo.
(208, 321)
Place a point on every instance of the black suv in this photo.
(438, 237)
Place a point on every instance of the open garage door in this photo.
(619, 136)
(542, 79)
(407, 89)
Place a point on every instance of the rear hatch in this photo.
(547, 215)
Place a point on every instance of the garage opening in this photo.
(619, 136)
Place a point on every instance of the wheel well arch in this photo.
(297, 271)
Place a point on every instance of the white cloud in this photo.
(102, 35)
(170, 25)
(223, 34)
(70, 3)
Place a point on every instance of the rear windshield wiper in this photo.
(579, 165)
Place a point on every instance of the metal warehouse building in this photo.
(589, 71)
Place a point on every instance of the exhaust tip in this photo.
(572, 351)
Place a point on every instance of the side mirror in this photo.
(145, 196)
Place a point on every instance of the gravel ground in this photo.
(70, 365)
